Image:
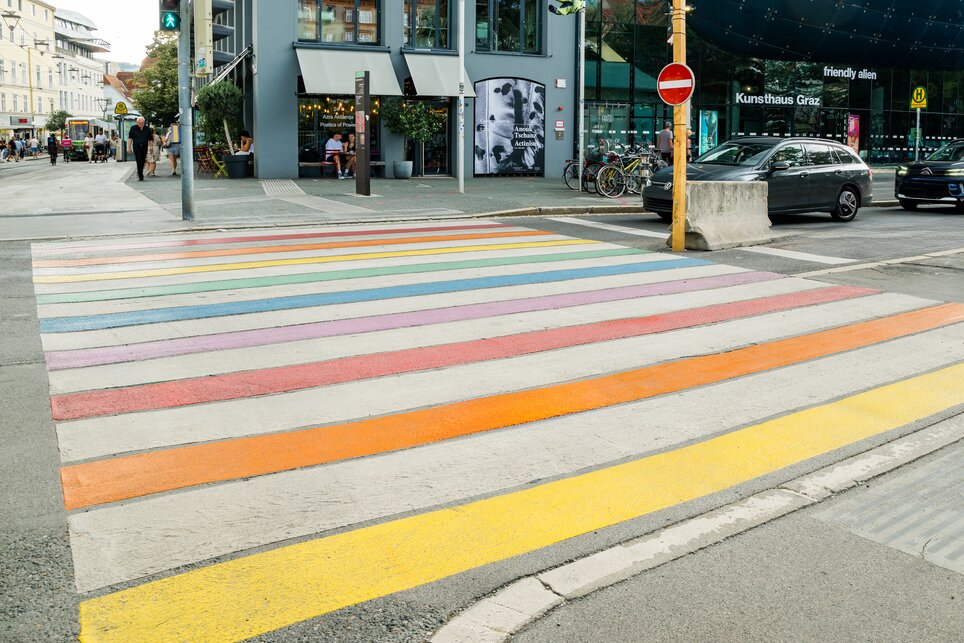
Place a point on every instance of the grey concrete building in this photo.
(298, 79)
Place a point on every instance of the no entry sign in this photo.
(675, 84)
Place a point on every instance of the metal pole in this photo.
(187, 113)
(917, 138)
(581, 88)
(679, 135)
(460, 136)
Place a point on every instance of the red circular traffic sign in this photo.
(675, 84)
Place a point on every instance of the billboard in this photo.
(510, 127)
(853, 132)
(709, 130)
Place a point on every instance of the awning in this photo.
(437, 75)
(330, 71)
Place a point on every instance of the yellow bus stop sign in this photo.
(120, 108)
(918, 98)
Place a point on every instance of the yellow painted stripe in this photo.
(249, 596)
(161, 272)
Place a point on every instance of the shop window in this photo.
(319, 117)
(426, 24)
(509, 25)
(346, 22)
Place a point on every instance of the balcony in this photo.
(220, 6)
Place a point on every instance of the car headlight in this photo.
(955, 172)
(902, 170)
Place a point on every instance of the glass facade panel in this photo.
(509, 25)
(426, 24)
(347, 22)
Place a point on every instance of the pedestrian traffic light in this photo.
(170, 15)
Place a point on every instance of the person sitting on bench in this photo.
(333, 152)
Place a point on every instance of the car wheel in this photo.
(847, 204)
(907, 205)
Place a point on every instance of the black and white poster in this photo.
(510, 126)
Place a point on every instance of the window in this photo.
(338, 21)
(50, 77)
(427, 24)
(3, 101)
(509, 25)
(792, 154)
(37, 71)
(33, 10)
(3, 73)
(15, 103)
(40, 105)
(820, 154)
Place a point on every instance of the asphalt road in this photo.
(36, 576)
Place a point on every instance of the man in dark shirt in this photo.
(137, 141)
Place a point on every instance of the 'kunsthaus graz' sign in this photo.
(772, 99)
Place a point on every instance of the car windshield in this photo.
(948, 153)
(736, 154)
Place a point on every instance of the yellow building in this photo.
(28, 67)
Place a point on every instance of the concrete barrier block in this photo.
(726, 214)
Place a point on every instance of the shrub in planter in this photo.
(220, 113)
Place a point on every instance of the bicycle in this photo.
(570, 174)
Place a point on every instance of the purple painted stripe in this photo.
(57, 360)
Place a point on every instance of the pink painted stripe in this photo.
(283, 379)
(78, 358)
(171, 243)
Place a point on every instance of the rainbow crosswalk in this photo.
(304, 402)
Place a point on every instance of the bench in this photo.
(375, 165)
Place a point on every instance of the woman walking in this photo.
(89, 147)
(153, 155)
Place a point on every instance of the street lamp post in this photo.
(460, 138)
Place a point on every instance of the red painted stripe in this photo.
(232, 386)
(46, 252)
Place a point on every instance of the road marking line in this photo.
(317, 277)
(608, 226)
(156, 471)
(83, 357)
(799, 256)
(877, 264)
(418, 289)
(263, 250)
(55, 249)
(242, 598)
(158, 272)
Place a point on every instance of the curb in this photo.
(499, 616)
(562, 209)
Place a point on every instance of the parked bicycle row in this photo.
(625, 170)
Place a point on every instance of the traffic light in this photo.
(170, 15)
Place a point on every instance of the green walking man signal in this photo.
(170, 15)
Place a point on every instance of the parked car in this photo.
(803, 175)
(938, 179)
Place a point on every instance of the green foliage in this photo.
(57, 120)
(156, 93)
(218, 104)
(414, 120)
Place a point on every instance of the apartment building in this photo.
(28, 66)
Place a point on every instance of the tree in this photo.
(220, 105)
(415, 120)
(57, 121)
(155, 95)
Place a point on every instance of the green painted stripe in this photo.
(335, 275)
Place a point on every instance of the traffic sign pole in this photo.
(679, 139)
(187, 113)
(917, 138)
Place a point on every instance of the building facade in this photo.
(519, 67)
(763, 68)
(27, 67)
(80, 77)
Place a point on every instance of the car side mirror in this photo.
(779, 166)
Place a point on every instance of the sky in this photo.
(128, 25)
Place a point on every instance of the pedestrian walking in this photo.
(12, 150)
(153, 155)
(172, 141)
(67, 146)
(140, 136)
(89, 147)
(664, 142)
(21, 148)
(34, 147)
(52, 146)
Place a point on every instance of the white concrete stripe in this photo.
(342, 285)
(615, 228)
(70, 246)
(170, 330)
(202, 364)
(675, 84)
(799, 256)
(311, 268)
(97, 437)
(118, 543)
(886, 262)
(332, 252)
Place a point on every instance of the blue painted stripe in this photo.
(181, 313)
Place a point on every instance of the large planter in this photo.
(236, 165)
(402, 169)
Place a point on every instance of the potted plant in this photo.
(416, 121)
(220, 109)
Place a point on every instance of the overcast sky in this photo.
(128, 25)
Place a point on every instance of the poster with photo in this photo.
(853, 132)
(709, 130)
(510, 127)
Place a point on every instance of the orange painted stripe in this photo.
(137, 475)
(258, 250)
